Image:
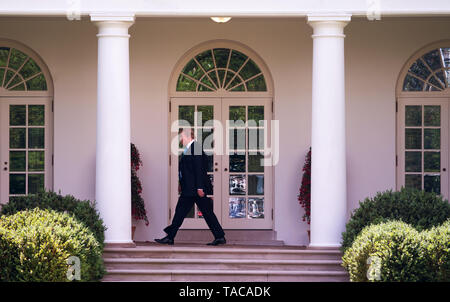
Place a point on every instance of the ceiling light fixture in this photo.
(221, 19)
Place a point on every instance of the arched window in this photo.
(221, 69)
(19, 72)
(430, 72)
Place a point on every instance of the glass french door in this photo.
(423, 144)
(25, 146)
(234, 135)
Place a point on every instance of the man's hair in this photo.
(187, 131)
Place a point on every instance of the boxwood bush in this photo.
(395, 251)
(83, 210)
(418, 208)
(35, 245)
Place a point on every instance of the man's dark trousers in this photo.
(184, 205)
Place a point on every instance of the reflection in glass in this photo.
(237, 113)
(255, 162)
(17, 184)
(36, 138)
(432, 161)
(413, 161)
(17, 115)
(17, 138)
(36, 115)
(186, 113)
(255, 208)
(256, 184)
(35, 183)
(413, 138)
(413, 116)
(236, 207)
(413, 181)
(412, 84)
(432, 138)
(237, 185)
(204, 114)
(432, 183)
(432, 116)
(256, 114)
(237, 163)
(36, 161)
(17, 160)
(237, 139)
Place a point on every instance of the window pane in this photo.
(237, 113)
(205, 136)
(204, 114)
(256, 185)
(255, 208)
(36, 160)
(256, 139)
(206, 60)
(17, 160)
(186, 113)
(17, 58)
(30, 68)
(432, 116)
(254, 163)
(256, 113)
(4, 52)
(236, 207)
(413, 116)
(237, 163)
(413, 138)
(419, 69)
(36, 115)
(237, 139)
(257, 84)
(237, 59)
(193, 70)
(191, 213)
(250, 69)
(433, 59)
(221, 56)
(35, 183)
(413, 181)
(17, 115)
(37, 83)
(432, 161)
(17, 184)
(432, 183)
(237, 185)
(16, 138)
(185, 84)
(36, 138)
(412, 84)
(432, 138)
(413, 161)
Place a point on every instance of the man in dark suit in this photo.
(195, 185)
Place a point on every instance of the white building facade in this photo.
(365, 84)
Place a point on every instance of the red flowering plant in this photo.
(304, 197)
(137, 202)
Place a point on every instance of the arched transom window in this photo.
(19, 72)
(221, 69)
(430, 72)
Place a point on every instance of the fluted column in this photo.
(328, 166)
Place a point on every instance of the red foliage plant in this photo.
(304, 197)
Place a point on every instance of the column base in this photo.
(324, 246)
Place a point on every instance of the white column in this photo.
(113, 179)
(328, 166)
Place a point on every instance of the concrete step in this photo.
(237, 242)
(230, 235)
(221, 264)
(225, 275)
(222, 252)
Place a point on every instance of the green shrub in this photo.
(421, 209)
(395, 253)
(84, 210)
(35, 245)
(436, 243)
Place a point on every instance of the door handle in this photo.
(216, 169)
(225, 169)
(444, 169)
(5, 168)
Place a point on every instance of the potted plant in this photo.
(304, 197)
(138, 211)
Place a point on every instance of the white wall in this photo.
(375, 53)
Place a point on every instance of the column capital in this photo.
(113, 25)
(328, 25)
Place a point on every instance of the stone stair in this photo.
(190, 262)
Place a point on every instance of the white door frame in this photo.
(4, 140)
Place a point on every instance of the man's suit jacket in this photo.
(193, 171)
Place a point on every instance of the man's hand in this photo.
(200, 192)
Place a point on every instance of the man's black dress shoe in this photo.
(218, 241)
(165, 240)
